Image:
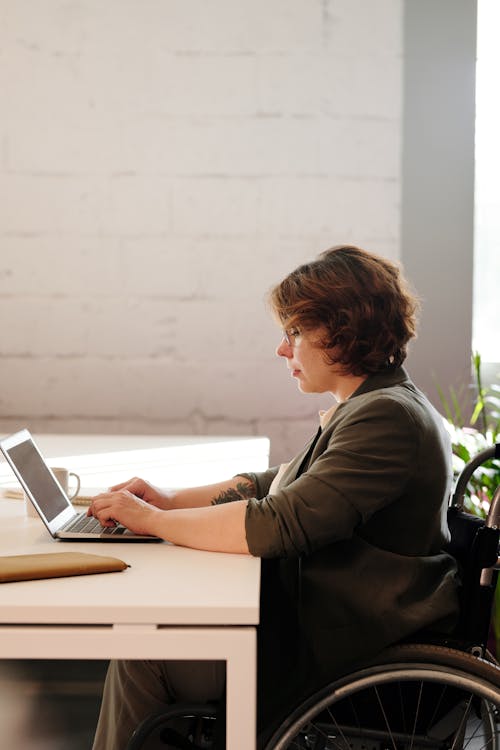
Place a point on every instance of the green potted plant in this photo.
(472, 434)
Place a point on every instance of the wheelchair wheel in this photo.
(412, 697)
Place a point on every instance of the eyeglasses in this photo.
(290, 335)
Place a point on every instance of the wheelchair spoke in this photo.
(460, 733)
(391, 736)
(482, 738)
(345, 741)
(478, 734)
(437, 708)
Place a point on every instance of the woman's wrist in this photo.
(170, 500)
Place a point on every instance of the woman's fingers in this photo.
(130, 483)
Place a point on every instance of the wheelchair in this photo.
(434, 693)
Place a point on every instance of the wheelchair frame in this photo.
(440, 694)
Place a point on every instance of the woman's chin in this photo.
(304, 387)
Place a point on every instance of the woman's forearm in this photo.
(218, 528)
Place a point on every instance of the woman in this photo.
(351, 531)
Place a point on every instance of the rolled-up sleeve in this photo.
(261, 481)
(281, 525)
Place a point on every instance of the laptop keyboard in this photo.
(90, 525)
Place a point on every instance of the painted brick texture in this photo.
(162, 164)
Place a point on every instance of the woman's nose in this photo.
(284, 349)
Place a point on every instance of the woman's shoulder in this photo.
(400, 404)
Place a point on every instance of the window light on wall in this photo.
(487, 192)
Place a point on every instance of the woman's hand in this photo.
(236, 488)
(126, 508)
(145, 491)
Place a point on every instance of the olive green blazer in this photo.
(353, 536)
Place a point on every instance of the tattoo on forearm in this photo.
(242, 491)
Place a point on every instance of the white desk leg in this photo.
(241, 689)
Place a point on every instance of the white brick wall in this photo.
(162, 164)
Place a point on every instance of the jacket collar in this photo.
(382, 380)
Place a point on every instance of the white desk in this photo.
(171, 603)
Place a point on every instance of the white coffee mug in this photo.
(63, 477)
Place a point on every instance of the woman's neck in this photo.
(346, 387)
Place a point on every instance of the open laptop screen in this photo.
(38, 479)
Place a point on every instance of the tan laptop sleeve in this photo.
(56, 565)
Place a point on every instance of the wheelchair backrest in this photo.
(474, 544)
(475, 547)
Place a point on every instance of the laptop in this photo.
(51, 502)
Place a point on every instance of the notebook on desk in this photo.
(51, 502)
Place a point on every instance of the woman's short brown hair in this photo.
(362, 301)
